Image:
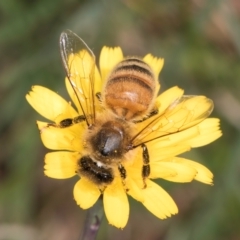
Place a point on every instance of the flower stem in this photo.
(93, 221)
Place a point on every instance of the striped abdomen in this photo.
(130, 89)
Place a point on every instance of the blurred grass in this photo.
(200, 41)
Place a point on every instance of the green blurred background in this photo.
(200, 41)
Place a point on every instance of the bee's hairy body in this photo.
(106, 143)
(127, 97)
(129, 93)
(130, 90)
(107, 146)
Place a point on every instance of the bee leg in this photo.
(123, 173)
(68, 122)
(79, 119)
(151, 114)
(146, 166)
(99, 96)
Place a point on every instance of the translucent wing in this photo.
(181, 114)
(79, 63)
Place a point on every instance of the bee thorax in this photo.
(108, 142)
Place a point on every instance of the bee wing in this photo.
(181, 114)
(79, 63)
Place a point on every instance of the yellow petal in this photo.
(116, 204)
(61, 138)
(203, 175)
(184, 173)
(209, 131)
(109, 57)
(158, 201)
(155, 63)
(166, 134)
(168, 97)
(159, 125)
(80, 84)
(134, 161)
(97, 81)
(183, 113)
(160, 171)
(167, 152)
(134, 190)
(197, 109)
(61, 165)
(187, 112)
(75, 98)
(49, 104)
(204, 140)
(179, 142)
(86, 193)
(97, 85)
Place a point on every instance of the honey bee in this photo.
(127, 100)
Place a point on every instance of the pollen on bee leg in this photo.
(43, 128)
(122, 171)
(145, 174)
(123, 174)
(99, 96)
(146, 167)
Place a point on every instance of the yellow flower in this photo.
(180, 124)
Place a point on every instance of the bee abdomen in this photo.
(130, 88)
(91, 170)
